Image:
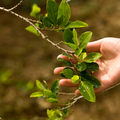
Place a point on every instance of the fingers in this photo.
(58, 70)
(66, 58)
(94, 46)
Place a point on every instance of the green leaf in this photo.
(54, 87)
(82, 56)
(39, 85)
(58, 113)
(68, 36)
(84, 39)
(32, 30)
(86, 89)
(35, 11)
(67, 63)
(67, 55)
(75, 39)
(52, 100)
(78, 51)
(46, 85)
(92, 66)
(76, 24)
(75, 79)
(54, 114)
(64, 13)
(91, 79)
(37, 94)
(66, 111)
(46, 22)
(71, 45)
(81, 66)
(52, 9)
(91, 57)
(68, 72)
(49, 94)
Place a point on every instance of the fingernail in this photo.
(59, 56)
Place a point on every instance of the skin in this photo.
(109, 64)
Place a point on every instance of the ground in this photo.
(25, 58)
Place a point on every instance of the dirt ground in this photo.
(25, 58)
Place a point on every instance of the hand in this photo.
(109, 64)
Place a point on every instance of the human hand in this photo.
(109, 64)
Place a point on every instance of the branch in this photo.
(16, 6)
(35, 21)
(72, 103)
(69, 94)
(43, 36)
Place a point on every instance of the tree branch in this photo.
(43, 36)
(16, 6)
(69, 94)
(72, 103)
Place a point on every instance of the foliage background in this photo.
(25, 58)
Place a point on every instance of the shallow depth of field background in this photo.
(25, 58)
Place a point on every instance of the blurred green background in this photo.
(25, 58)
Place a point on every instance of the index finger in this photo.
(94, 46)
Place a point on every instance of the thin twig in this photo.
(42, 35)
(69, 94)
(35, 21)
(78, 98)
(72, 103)
(16, 6)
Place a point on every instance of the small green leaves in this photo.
(86, 89)
(52, 100)
(76, 24)
(46, 85)
(54, 114)
(81, 66)
(46, 22)
(84, 39)
(54, 87)
(51, 95)
(70, 39)
(92, 66)
(52, 9)
(39, 85)
(37, 94)
(67, 63)
(32, 30)
(75, 79)
(68, 36)
(82, 56)
(64, 13)
(67, 72)
(91, 57)
(91, 79)
(71, 45)
(57, 19)
(35, 11)
(75, 39)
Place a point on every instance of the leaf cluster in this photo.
(57, 19)
(51, 94)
